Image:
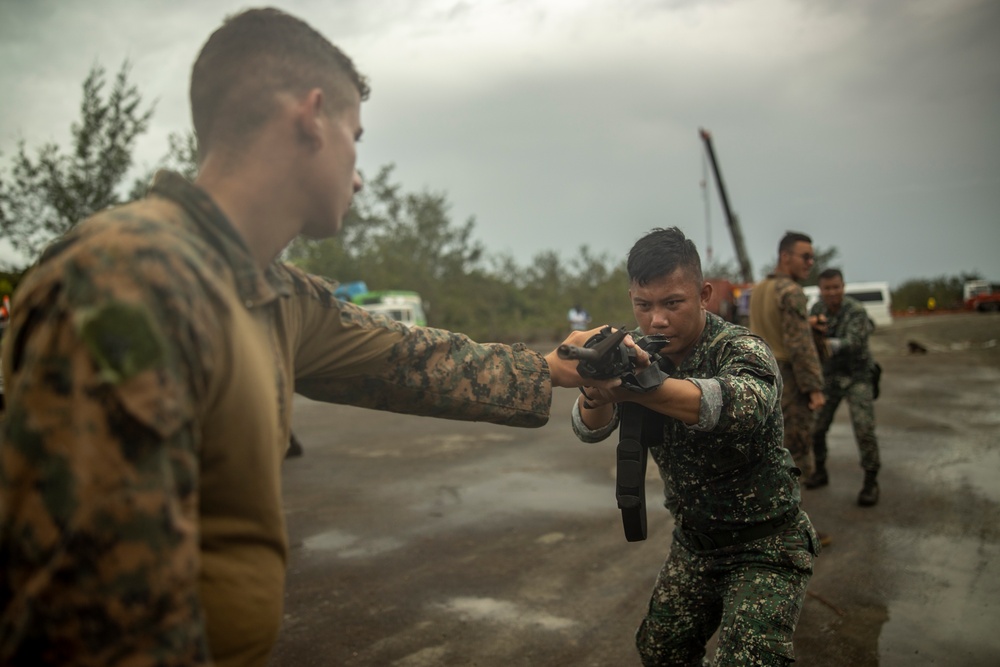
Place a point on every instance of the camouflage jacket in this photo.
(150, 366)
(730, 470)
(847, 332)
(778, 315)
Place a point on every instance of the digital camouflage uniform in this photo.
(778, 315)
(848, 373)
(150, 367)
(727, 473)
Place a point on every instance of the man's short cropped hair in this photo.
(251, 58)
(659, 253)
(830, 274)
(789, 240)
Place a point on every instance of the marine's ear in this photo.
(311, 117)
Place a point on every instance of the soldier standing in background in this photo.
(578, 318)
(848, 373)
(152, 357)
(778, 315)
(4, 313)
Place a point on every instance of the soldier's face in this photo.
(337, 179)
(831, 290)
(673, 305)
(800, 260)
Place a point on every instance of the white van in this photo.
(875, 297)
(402, 306)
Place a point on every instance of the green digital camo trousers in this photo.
(751, 592)
(798, 420)
(862, 408)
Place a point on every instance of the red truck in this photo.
(982, 296)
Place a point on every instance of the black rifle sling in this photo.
(638, 428)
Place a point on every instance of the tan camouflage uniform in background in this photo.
(150, 367)
(778, 315)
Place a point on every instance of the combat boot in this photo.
(869, 493)
(818, 478)
(294, 448)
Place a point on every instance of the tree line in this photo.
(392, 238)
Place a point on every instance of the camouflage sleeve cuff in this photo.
(711, 404)
(586, 434)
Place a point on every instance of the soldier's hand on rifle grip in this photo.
(596, 406)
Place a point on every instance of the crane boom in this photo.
(746, 272)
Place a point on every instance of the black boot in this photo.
(869, 493)
(294, 448)
(818, 478)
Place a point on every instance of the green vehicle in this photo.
(400, 305)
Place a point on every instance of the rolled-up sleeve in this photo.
(711, 404)
(586, 434)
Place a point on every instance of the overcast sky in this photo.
(872, 126)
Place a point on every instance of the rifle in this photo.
(604, 357)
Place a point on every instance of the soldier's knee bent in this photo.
(659, 646)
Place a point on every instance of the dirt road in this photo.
(420, 542)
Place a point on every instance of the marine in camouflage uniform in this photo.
(742, 550)
(150, 369)
(151, 363)
(848, 373)
(778, 315)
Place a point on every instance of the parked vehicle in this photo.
(347, 291)
(981, 295)
(400, 305)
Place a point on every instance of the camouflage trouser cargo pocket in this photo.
(763, 603)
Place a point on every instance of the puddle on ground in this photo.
(522, 492)
(346, 545)
(428, 446)
(944, 609)
(980, 474)
(503, 612)
(963, 463)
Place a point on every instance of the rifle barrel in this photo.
(576, 352)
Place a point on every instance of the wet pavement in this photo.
(419, 542)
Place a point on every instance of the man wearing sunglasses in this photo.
(778, 315)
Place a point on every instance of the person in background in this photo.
(778, 315)
(579, 319)
(848, 368)
(4, 313)
(742, 550)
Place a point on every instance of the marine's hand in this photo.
(816, 400)
(563, 372)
